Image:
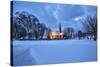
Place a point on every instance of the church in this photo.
(57, 35)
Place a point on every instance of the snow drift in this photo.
(53, 51)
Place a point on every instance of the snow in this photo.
(35, 52)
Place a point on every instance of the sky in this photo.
(53, 14)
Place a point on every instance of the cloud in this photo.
(90, 10)
(52, 14)
(70, 15)
(68, 12)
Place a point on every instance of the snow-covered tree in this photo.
(29, 24)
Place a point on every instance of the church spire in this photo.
(60, 28)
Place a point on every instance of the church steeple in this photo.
(60, 28)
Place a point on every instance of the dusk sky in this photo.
(51, 14)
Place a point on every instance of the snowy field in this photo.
(53, 51)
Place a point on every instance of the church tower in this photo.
(60, 28)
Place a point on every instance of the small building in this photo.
(57, 35)
(54, 35)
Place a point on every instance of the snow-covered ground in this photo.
(53, 51)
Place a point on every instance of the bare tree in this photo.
(90, 26)
(47, 32)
